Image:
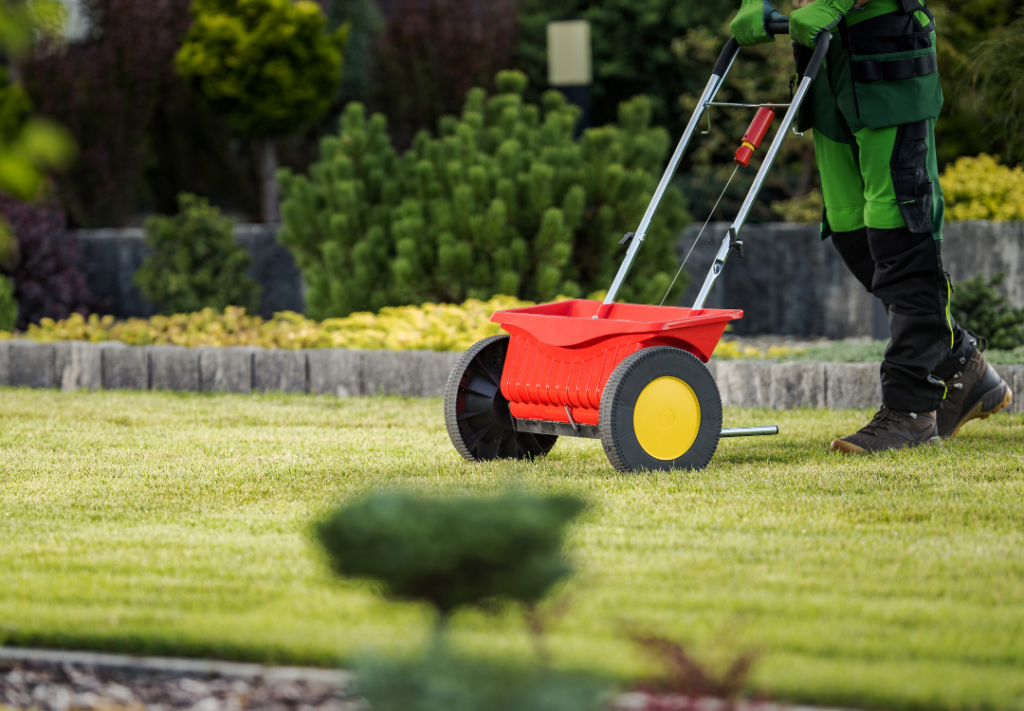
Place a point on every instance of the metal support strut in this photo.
(731, 238)
(714, 84)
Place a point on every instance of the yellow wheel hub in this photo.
(666, 418)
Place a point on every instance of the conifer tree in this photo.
(502, 201)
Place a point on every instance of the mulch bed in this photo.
(68, 687)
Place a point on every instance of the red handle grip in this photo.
(754, 135)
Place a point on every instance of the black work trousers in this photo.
(904, 270)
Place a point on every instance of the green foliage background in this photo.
(267, 66)
(980, 305)
(964, 127)
(503, 201)
(8, 305)
(195, 261)
(632, 44)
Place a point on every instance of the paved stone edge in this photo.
(76, 365)
(178, 665)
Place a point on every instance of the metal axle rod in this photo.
(750, 431)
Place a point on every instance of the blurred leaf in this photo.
(47, 144)
(48, 17)
(19, 176)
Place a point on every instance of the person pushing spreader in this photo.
(873, 111)
(634, 377)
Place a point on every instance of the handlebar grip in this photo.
(821, 45)
(728, 52)
(778, 27)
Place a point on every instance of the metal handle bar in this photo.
(731, 237)
(718, 74)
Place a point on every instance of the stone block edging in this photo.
(76, 365)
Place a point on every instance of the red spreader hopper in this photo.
(560, 357)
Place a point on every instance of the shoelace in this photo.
(881, 421)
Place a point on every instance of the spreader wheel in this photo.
(476, 413)
(660, 410)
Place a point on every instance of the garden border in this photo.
(77, 365)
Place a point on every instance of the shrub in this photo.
(431, 52)
(444, 327)
(195, 261)
(451, 553)
(998, 66)
(981, 189)
(502, 202)
(806, 209)
(980, 305)
(49, 275)
(268, 67)
(365, 23)
(8, 305)
(632, 54)
(105, 90)
(442, 681)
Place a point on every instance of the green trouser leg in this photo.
(884, 209)
(858, 185)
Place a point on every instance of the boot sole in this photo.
(978, 412)
(844, 447)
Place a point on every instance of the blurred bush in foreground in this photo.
(452, 553)
(442, 681)
(455, 553)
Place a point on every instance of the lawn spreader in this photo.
(630, 375)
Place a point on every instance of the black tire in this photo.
(476, 413)
(618, 414)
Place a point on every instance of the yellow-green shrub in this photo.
(437, 327)
(981, 189)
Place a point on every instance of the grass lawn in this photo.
(176, 524)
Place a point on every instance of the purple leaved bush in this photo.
(49, 272)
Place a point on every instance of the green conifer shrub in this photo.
(452, 552)
(195, 261)
(502, 201)
(269, 68)
(980, 305)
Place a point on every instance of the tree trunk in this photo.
(270, 192)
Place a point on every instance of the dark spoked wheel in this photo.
(660, 410)
(476, 413)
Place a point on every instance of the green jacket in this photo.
(880, 71)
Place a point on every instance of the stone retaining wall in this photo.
(112, 257)
(75, 365)
(789, 283)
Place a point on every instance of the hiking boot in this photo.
(975, 392)
(890, 429)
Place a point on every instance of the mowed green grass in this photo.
(177, 524)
